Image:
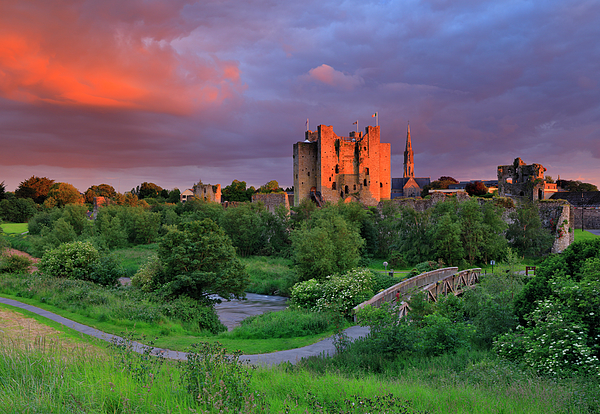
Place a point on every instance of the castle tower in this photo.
(409, 158)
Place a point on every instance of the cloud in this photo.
(65, 54)
(328, 75)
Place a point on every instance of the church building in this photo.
(408, 185)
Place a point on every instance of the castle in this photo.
(524, 181)
(331, 168)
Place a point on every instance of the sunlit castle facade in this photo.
(328, 167)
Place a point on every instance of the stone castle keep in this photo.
(329, 168)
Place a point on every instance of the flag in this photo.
(355, 123)
(374, 115)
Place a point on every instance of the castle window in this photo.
(308, 173)
(333, 186)
(329, 179)
(296, 175)
(342, 194)
(365, 148)
(365, 182)
(346, 189)
(367, 171)
(380, 185)
(337, 169)
(354, 187)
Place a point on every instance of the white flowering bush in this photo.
(335, 293)
(559, 338)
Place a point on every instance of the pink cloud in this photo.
(328, 75)
(66, 55)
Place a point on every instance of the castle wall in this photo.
(305, 169)
(208, 192)
(356, 166)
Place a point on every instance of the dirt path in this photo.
(34, 260)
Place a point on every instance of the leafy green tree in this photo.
(17, 210)
(245, 226)
(472, 230)
(571, 263)
(494, 245)
(270, 187)
(36, 188)
(526, 234)
(387, 225)
(174, 196)
(237, 191)
(199, 260)
(413, 237)
(64, 193)
(148, 190)
(2, 191)
(324, 246)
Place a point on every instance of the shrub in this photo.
(195, 314)
(105, 271)
(71, 260)
(15, 263)
(214, 378)
(289, 323)
(145, 278)
(339, 293)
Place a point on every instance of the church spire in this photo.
(409, 162)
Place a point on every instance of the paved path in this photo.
(596, 232)
(293, 355)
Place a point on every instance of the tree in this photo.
(102, 190)
(17, 210)
(2, 191)
(198, 261)
(477, 188)
(174, 196)
(63, 194)
(526, 233)
(36, 188)
(245, 227)
(576, 186)
(148, 190)
(270, 187)
(324, 246)
(237, 191)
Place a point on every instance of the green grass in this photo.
(581, 235)
(377, 265)
(132, 258)
(58, 380)
(14, 228)
(270, 275)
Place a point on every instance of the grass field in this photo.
(132, 258)
(584, 235)
(14, 228)
(72, 375)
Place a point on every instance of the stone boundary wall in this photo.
(272, 200)
(552, 213)
(591, 218)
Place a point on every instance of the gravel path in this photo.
(324, 347)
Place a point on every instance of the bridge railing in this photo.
(453, 283)
(406, 286)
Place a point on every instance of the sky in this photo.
(175, 91)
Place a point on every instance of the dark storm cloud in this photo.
(220, 87)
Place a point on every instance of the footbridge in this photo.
(435, 283)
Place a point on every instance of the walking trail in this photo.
(325, 347)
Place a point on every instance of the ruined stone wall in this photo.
(520, 180)
(208, 192)
(272, 201)
(557, 216)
